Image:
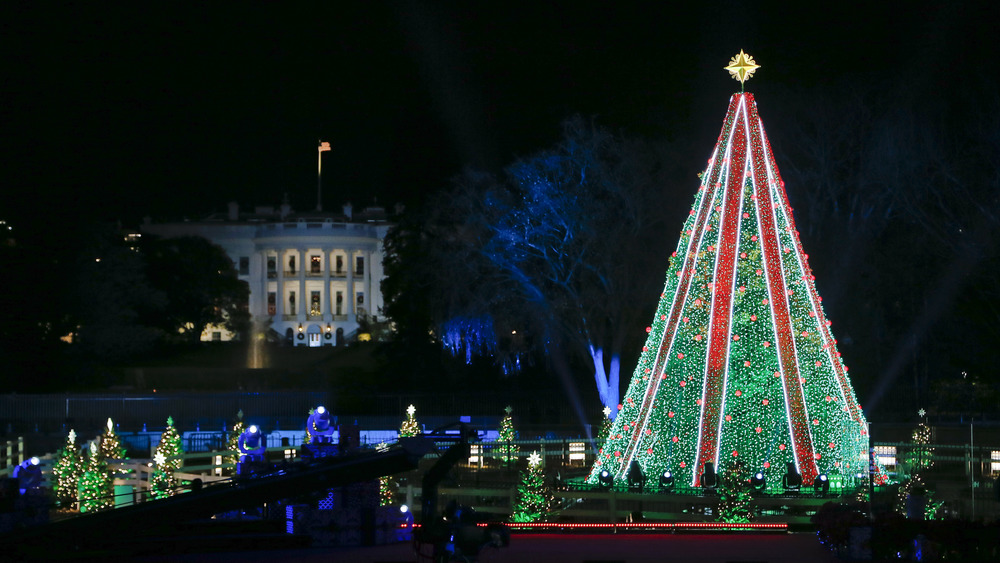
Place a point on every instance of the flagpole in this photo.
(319, 178)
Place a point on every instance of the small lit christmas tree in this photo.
(233, 439)
(606, 422)
(163, 483)
(917, 460)
(735, 497)
(534, 499)
(68, 468)
(111, 448)
(309, 436)
(410, 426)
(96, 489)
(508, 449)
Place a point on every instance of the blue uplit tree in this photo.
(553, 258)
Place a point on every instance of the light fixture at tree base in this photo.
(667, 480)
(821, 485)
(709, 480)
(605, 479)
(758, 482)
(792, 480)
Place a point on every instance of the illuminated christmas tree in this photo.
(506, 445)
(534, 499)
(111, 448)
(233, 439)
(163, 483)
(916, 461)
(96, 489)
(606, 422)
(410, 427)
(735, 497)
(739, 362)
(68, 468)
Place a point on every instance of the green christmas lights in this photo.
(534, 498)
(167, 460)
(410, 427)
(68, 468)
(739, 363)
(505, 442)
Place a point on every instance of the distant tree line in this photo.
(75, 305)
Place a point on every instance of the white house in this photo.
(310, 274)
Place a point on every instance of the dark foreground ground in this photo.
(570, 548)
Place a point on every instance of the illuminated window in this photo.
(340, 303)
(995, 462)
(315, 264)
(577, 452)
(314, 304)
(291, 303)
(474, 453)
(340, 264)
(886, 455)
(271, 303)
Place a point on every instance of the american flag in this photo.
(324, 146)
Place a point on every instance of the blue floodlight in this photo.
(29, 475)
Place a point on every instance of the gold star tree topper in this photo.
(741, 67)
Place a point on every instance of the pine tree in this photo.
(602, 434)
(68, 468)
(735, 497)
(739, 363)
(508, 449)
(96, 489)
(162, 482)
(534, 498)
(917, 460)
(410, 427)
(233, 440)
(112, 450)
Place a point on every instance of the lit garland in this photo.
(739, 362)
(410, 427)
(68, 468)
(534, 498)
(508, 449)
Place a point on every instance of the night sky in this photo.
(115, 115)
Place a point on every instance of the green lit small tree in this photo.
(735, 497)
(111, 449)
(96, 489)
(606, 422)
(508, 449)
(918, 460)
(410, 426)
(534, 497)
(68, 468)
(167, 460)
(233, 439)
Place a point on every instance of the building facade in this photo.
(312, 276)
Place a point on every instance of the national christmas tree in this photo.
(96, 489)
(739, 362)
(163, 483)
(534, 499)
(410, 427)
(505, 442)
(68, 468)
